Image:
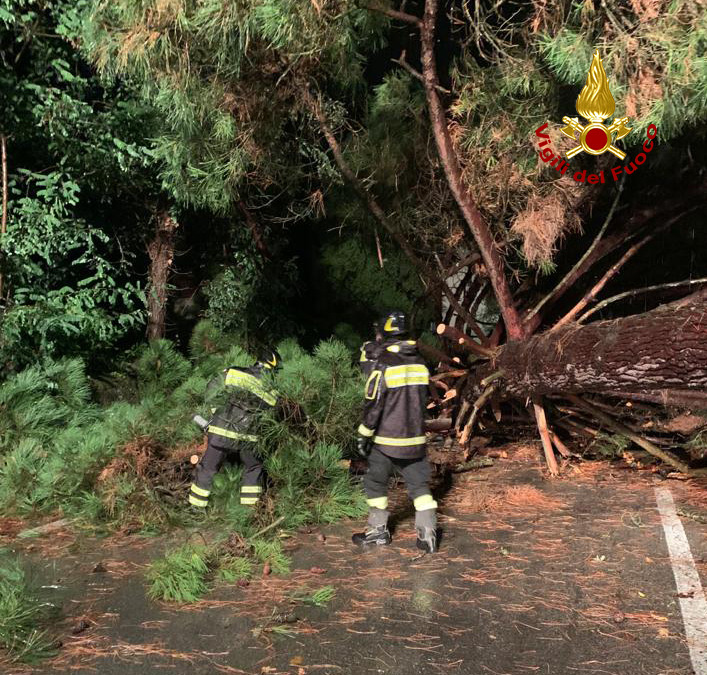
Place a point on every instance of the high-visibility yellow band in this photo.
(251, 489)
(237, 378)
(365, 431)
(249, 501)
(199, 491)
(393, 348)
(378, 502)
(372, 384)
(399, 442)
(195, 501)
(424, 503)
(363, 358)
(408, 382)
(402, 376)
(410, 369)
(220, 431)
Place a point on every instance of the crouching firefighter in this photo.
(392, 435)
(232, 430)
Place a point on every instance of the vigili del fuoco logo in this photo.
(595, 104)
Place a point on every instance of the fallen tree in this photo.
(661, 353)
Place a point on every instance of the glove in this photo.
(363, 446)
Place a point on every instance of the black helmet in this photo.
(393, 324)
(269, 359)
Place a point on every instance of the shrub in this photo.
(22, 616)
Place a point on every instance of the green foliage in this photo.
(224, 77)
(23, 617)
(180, 576)
(610, 446)
(160, 368)
(270, 551)
(69, 286)
(319, 598)
(236, 568)
(116, 466)
(352, 271)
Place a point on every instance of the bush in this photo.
(127, 465)
(181, 575)
(22, 616)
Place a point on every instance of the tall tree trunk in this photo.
(3, 221)
(659, 354)
(478, 227)
(161, 252)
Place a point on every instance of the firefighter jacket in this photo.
(246, 396)
(396, 399)
(370, 351)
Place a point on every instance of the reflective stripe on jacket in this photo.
(248, 395)
(370, 351)
(396, 399)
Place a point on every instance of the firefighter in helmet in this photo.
(370, 351)
(392, 435)
(232, 430)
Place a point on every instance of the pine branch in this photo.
(639, 291)
(474, 222)
(394, 14)
(614, 269)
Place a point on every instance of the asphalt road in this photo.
(534, 575)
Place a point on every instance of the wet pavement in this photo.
(561, 576)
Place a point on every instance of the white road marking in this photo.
(690, 594)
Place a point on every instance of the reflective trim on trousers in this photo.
(424, 502)
(196, 501)
(378, 503)
(199, 492)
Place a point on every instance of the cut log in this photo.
(462, 339)
(662, 350)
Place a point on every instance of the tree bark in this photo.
(161, 252)
(452, 169)
(664, 350)
(3, 222)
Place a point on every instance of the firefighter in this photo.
(392, 435)
(232, 430)
(370, 351)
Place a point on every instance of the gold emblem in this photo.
(595, 103)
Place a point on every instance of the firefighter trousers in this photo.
(217, 452)
(416, 474)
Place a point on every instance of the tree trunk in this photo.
(161, 252)
(452, 169)
(661, 353)
(3, 221)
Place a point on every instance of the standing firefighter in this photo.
(370, 351)
(392, 435)
(232, 431)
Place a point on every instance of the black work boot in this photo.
(373, 536)
(427, 539)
